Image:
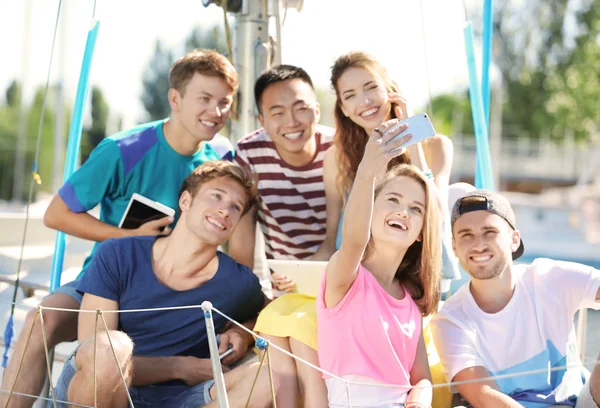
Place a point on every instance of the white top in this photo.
(534, 331)
(370, 395)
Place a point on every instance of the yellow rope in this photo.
(271, 378)
(48, 364)
(262, 359)
(12, 388)
(95, 352)
(116, 359)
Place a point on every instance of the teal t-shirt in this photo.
(140, 161)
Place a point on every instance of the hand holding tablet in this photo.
(142, 210)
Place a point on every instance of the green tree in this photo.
(46, 153)
(548, 55)
(13, 93)
(97, 131)
(451, 111)
(8, 139)
(211, 38)
(155, 83)
(9, 118)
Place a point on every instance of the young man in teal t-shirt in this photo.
(152, 159)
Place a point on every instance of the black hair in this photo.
(278, 73)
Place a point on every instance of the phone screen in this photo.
(140, 213)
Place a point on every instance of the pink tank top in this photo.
(369, 333)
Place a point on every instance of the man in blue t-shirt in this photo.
(164, 354)
(152, 160)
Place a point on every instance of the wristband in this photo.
(428, 174)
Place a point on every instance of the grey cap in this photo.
(483, 200)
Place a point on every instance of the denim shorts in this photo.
(142, 397)
(70, 289)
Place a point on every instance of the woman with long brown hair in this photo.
(367, 97)
(379, 285)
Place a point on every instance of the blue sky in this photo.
(312, 38)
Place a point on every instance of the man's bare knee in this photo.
(58, 325)
(122, 348)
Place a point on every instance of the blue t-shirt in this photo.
(140, 161)
(121, 270)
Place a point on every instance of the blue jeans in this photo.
(70, 289)
(142, 397)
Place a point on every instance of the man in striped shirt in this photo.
(287, 155)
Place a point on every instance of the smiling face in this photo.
(398, 213)
(203, 107)
(290, 114)
(215, 210)
(484, 243)
(364, 98)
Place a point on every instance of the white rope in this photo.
(43, 398)
(592, 363)
(449, 384)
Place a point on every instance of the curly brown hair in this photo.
(350, 139)
(214, 169)
(420, 269)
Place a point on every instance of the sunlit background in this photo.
(545, 104)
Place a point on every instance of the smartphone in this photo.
(141, 210)
(419, 126)
(226, 353)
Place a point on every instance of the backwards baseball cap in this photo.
(483, 200)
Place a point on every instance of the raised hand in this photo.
(383, 146)
(401, 105)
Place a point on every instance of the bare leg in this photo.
(110, 389)
(285, 368)
(59, 327)
(239, 383)
(312, 385)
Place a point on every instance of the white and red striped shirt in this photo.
(291, 213)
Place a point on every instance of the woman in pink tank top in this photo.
(380, 283)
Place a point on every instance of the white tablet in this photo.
(306, 274)
(141, 209)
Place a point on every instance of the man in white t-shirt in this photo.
(511, 318)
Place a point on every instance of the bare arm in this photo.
(420, 376)
(334, 206)
(85, 327)
(356, 230)
(82, 225)
(59, 216)
(146, 370)
(153, 370)
(417, 156)
(243, 240)
(482, 394)
(439, 152)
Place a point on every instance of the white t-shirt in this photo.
(534, 331)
